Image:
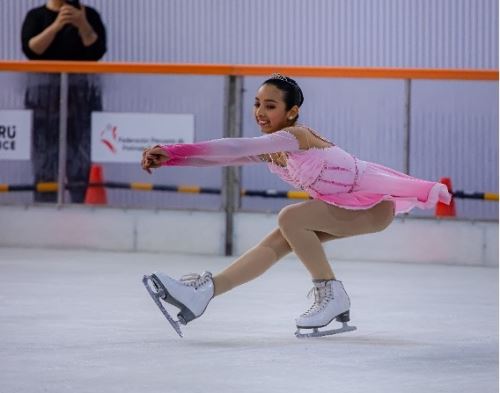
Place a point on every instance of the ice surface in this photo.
(81, 321)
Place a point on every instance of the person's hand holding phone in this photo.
(73, 13)
(74, 16)
(64, 17)
(73, 3)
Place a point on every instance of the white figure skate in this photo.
(330, 302)
(191, 295)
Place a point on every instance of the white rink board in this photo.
(80, 321)
(202, 232)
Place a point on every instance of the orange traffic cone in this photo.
(96, 195)
(443, 210)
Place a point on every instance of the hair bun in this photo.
(299, 96)
(294, 95)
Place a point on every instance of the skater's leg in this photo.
(257, 260)
(300, 223)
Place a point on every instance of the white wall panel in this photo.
(381, 33)
(455, 135)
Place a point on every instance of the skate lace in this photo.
(322, 296)
(196, 280)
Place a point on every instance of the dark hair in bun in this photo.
(292, 94)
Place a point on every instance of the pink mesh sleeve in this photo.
(230, 151)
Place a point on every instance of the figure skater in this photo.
(349, 197)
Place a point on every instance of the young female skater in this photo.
(349, 197)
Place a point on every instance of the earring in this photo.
(290, 118)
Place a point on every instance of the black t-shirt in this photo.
(67, 44)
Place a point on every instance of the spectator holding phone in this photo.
(62, 30)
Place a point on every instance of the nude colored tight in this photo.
(302, 228)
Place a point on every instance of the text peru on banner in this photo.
(15, 134)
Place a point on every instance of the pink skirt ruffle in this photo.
(379, 183)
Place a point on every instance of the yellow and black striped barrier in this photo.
(276, 194)
(38, 187)
(192, 189)
(487, 196)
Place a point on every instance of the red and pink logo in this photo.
(109, 137)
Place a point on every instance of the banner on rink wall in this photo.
(122, 137)
(15, 134)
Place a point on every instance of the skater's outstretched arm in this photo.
(220, 152)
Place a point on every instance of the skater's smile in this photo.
(270, 109)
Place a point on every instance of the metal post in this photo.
(63, 130)
(232, 175)
(407, 127)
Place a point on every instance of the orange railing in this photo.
(247, 70)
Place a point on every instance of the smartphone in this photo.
(73, 3)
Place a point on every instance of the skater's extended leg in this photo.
(192, 293)
(257, 260)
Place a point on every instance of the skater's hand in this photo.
(153, 157)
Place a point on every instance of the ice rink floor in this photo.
(81, 321)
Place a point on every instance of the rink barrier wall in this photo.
(407, 240)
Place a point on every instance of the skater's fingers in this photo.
(145, 163)
(150, 161)
(145, 156)
(158, 156)
(153, 157)
(155, 164)
(149, 149)
(147, 168)
(157, 151)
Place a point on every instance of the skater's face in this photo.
(270, 110)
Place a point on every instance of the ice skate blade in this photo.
(156, 296)
(185, 315)
(320, 333)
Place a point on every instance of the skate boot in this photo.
(191, 295)
(330, 302)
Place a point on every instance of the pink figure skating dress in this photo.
(329, 174)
